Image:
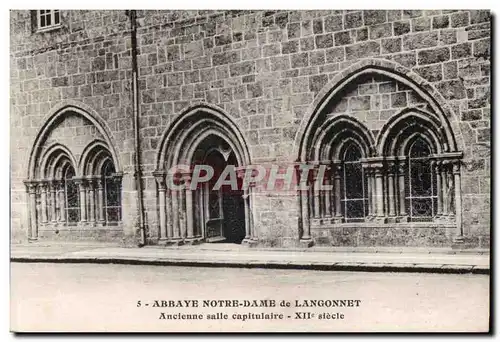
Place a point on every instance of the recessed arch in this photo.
(405, 147)
(50, 121)
(50, 159)
(186, 128)
(409, 121)
(92, 154)
(328, 138)
(210, 213)
(385, 68)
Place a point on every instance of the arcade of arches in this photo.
(405, 173)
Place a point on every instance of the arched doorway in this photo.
(201, 213)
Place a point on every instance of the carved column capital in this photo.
(31, 186)
(391, 168)
(378, 168)
(80, 181)
(336, 166)
(99, 183)
(44, 184)
(117, 176)
(160, 177)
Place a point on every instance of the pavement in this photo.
(436, 260)
(374, 259)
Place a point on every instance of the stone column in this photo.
(246, 203)
(33, 224)
(303, 181)
(101, 201)
(444, 187)
(91, 193)
(162, 230)
(254, 231)
(390, 191)
(401, 187)
(43, 201)
(62, 202)
(182, 212)
(169, 215)
(53, 200)
(459, 238)
(247, 214)
(189, 207)
(374, 194)
(337, 169)
(449, 198)
(379, 192)
(175, 215)
(316, 193)
(439, 186)
(83, 198)
(328, 193)
(368, 174)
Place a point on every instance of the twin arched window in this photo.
(398, 189)
(65, 197)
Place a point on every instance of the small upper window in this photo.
(48, 19)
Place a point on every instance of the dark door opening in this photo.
(221, 211)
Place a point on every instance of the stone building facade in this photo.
(394, 104)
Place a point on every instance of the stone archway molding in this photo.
(174, 136)
(57, 112)
(386, 68)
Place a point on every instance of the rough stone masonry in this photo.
(266, 72)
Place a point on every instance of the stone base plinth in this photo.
(306, 243)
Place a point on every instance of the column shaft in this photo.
(458, 200)
(53, 203)
(182, 210)
(379, 193)
(401, 188)
(100, 201)
(316, 206)
(439, 186)
(91, 203)
(338, 195)
(391, 197)
(374, 194)
(444, 190)
(175, 214)
(33, 232)
(168, 210)
(163, 216)
(189, 212)
(306, 229)
(62, 206)
(43, 203)
(247, 214)
(83, 202)
(369, 195)
(327, 195)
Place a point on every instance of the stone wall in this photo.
(264, 69)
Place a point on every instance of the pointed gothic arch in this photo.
(199, 128)
(51, 120)
(320, 140)
(393, 71)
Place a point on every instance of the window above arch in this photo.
(46, 20)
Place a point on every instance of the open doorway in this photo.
(219, 213)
